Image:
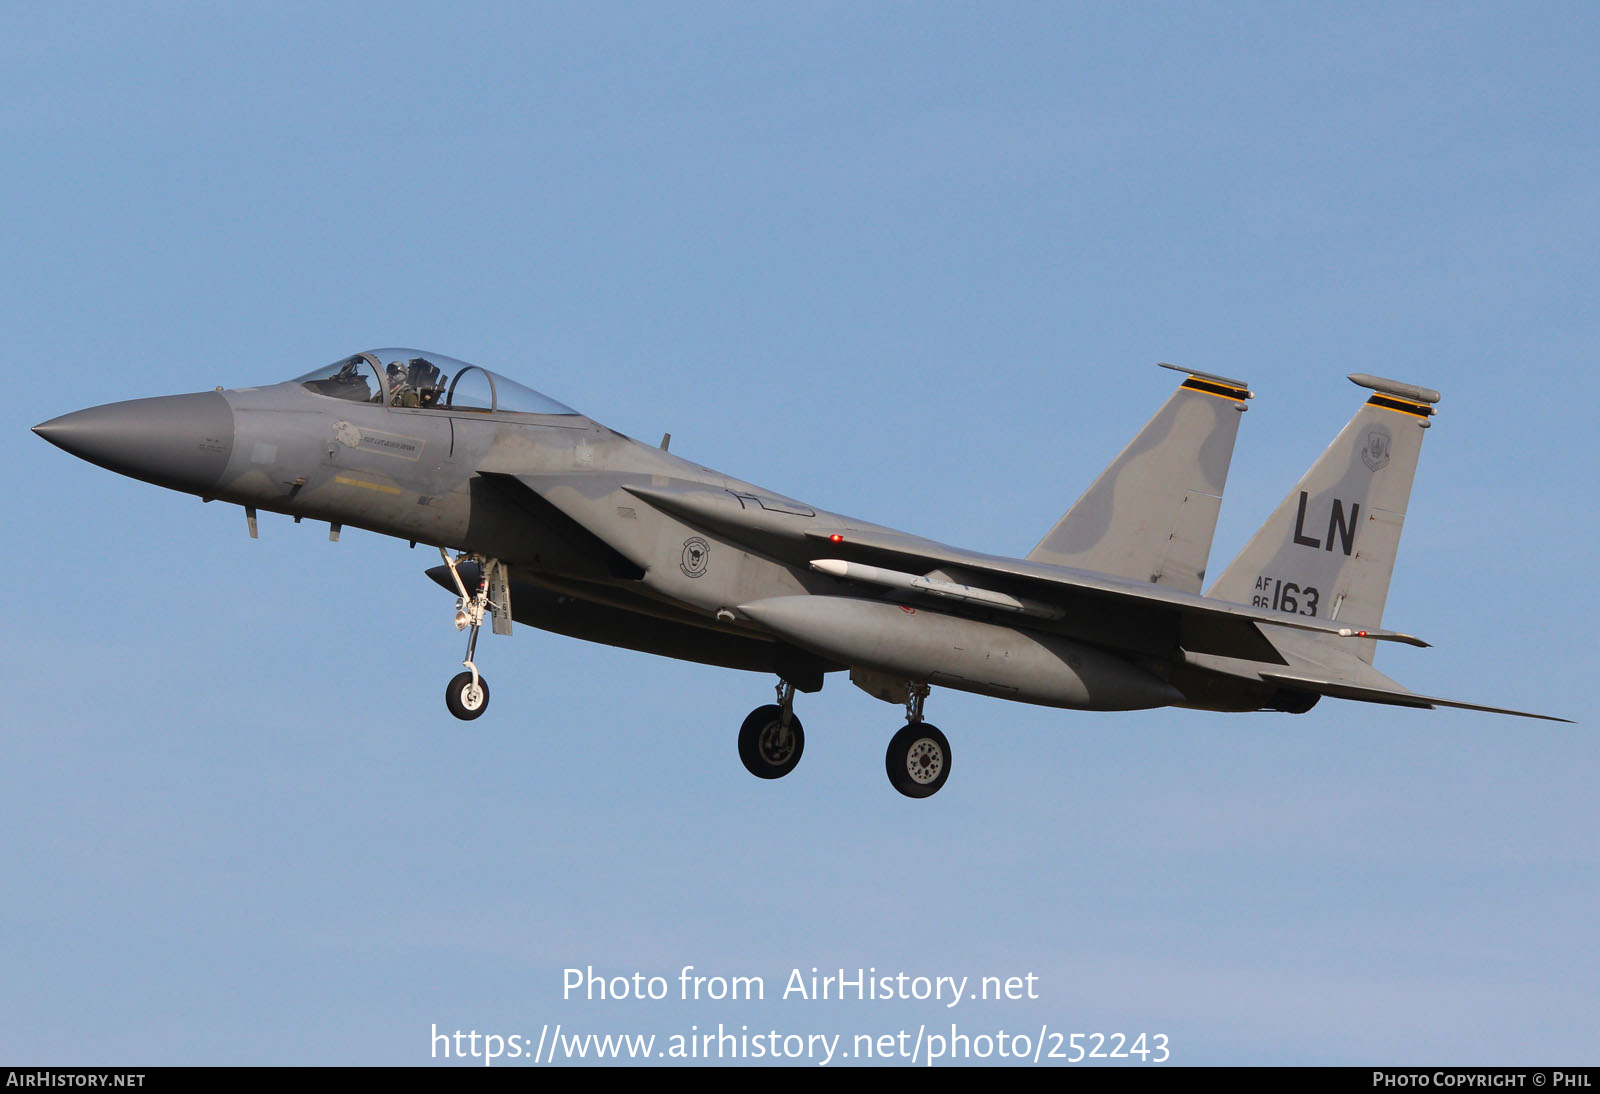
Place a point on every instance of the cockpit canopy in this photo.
(420, 380)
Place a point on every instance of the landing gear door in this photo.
(500, 597)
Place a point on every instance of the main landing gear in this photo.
(917, 761)
(772, 739)
(467, 694)
(918, 758)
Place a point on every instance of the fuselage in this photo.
(604, 538)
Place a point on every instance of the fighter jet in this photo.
(546, 517)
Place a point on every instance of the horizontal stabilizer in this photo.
(1393, 696)
(1309, 663)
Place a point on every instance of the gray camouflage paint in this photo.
(1338, 531)
(619, 542)
(1151, 515)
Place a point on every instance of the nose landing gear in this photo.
(467, 694)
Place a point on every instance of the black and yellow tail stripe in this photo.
(1404, 406)
(1211, 387)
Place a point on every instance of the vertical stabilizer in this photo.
(1328, 550)
(1151, 515)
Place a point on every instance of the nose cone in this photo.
(178, 441)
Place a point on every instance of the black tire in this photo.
(766, 751)
(459, 698)
(918, 760)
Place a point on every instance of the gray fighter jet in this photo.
(547, 517)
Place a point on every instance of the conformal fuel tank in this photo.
(962, 653)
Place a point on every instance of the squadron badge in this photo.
(696, 554)
(1375, 453)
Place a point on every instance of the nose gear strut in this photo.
(467, 694)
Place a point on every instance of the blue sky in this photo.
(911, 263)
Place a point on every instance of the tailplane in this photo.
(1151, 514)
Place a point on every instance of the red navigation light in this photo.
(836, 538)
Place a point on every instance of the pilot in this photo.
(401, 393)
